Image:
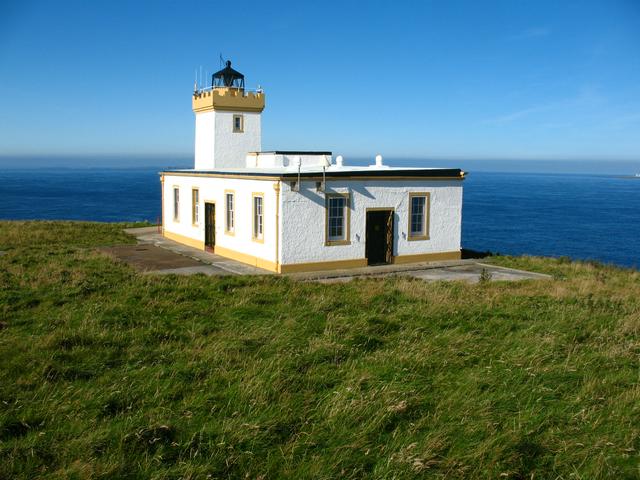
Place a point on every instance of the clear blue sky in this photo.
(447, 79)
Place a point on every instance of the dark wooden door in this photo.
(209, 225)
(379, 241)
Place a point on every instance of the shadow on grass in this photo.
(473, 254)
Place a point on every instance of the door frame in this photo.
(215, 214)
(393, 229)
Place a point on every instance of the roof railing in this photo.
(217, 87)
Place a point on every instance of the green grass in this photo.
(105, 373)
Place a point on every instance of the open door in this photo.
(379, 241)
(209, 226)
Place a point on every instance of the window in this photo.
(229, 226)
(258, 220)
(418, 216)
(238, 123)
(176, 204)
(337, 207)
(195, 206)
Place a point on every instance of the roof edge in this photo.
(293, 152)
(442, 173)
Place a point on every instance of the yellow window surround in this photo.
(425, 216)
(257, 217)
(230, 220)
(346, 240)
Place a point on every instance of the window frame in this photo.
(254, 233)
(176, 203)
(230, 231)
(195, 206)
(346, 240)
(241, 118)
(426, 215)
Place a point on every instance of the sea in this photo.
(585, 216)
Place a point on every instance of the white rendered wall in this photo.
(213, 190)
(218, 146)
(270, 160)
(204, 143)
(303, 214)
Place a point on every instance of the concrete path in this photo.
(156, 254)
(473, 272)
(204, 262)
(468, 270)
(149, 258)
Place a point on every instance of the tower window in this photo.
(238, 124)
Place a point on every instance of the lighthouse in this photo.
(227, 121)
(287, 211)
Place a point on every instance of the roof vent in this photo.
(339, 161)
(379, 160)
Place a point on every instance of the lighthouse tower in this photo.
(227, 121)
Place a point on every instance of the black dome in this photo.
(227, 77)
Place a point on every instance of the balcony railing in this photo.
(208, 89)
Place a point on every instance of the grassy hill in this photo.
(105, 373)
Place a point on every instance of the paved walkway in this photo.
(202, 262)
(469, 270)
(156, 254)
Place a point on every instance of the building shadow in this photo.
(468, 253)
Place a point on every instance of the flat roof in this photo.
(330, 172)
(293, 152)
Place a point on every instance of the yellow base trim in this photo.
(245, 258)
(427, 257)
(317, 266)
(191, 242)
(224, 252)
(307, 267)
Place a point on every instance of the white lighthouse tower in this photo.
(227, 121)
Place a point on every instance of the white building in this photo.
(290, 211)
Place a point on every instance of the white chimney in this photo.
(339, 160)
(379, 160)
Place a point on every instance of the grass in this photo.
(105, 373)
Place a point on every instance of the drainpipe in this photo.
(161, 225)
(276, 187)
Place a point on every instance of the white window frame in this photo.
(426, 213)
(230, 213)
(257, 217)
(195, 206)
(344, 239)
(176, 203)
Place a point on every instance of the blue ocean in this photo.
(582, 216)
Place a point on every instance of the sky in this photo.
(449, 79)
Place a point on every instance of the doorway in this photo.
(379, 241)
(209, 226)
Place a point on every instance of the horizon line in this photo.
(184, 156)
